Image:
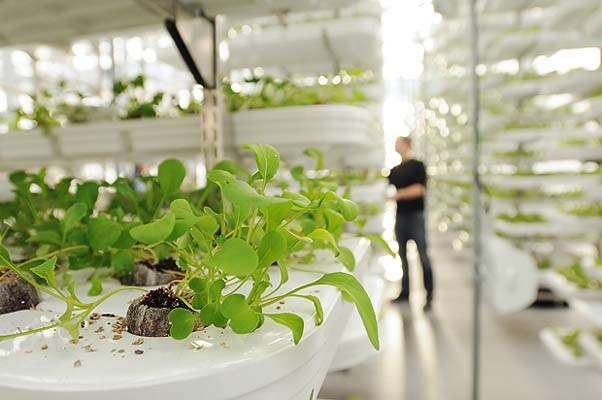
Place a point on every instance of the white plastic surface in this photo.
(560, 351)
(512, 276)
(262, 365)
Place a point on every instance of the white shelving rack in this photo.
(541, 133)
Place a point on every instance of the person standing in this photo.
(409, 178)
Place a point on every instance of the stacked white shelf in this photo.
(543, 148)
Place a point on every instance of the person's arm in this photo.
(414, 191)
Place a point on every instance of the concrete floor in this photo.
(428, 357)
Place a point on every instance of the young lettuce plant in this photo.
(76, 310)
(314, 185)
(227, 256)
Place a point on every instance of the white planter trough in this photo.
(91, 139)
(569, 290)
(592, 346)
(354, 42)
(317, 125)
(165, 135)
(26, 146)
(553, 342)
(214, 363)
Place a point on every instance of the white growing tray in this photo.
(109, 139)
(354, 41)
(560, 351)
(262, 365)
(315, 125)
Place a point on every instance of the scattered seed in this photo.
(117, 337)
(101, 337)
(121, 351)
(44, 347)
(139, 352)
(77, 364)
(281, 302)
(108, 315)
(138, 342)
(100, 329)
(88, 349)
(278, 307)
(73, 341)
(94, 316)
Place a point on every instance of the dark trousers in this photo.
(410, 226)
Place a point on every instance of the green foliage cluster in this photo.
(234, 255)
(571, 340)
(583, 209)
(270, 92)
(576, 274)
(528, 218)
(131, 99)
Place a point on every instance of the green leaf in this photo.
(122, 263)
(211, 315)
(379, 241)
(325, 236)
(267, 159)
(182, 323)
(156, 231)
(4, 256)
(241, 193)
(126, 240)
(208, 225)
(96, 288)
(348, 208)
(198, 284)
(317, 154)
(347, 283)
(124, 188)
(235, 257)
(171, 175)
(46, 271)
(298, 199)
(272, 247)
(216, 288)
(231, 167)
(103, 232)
(87, 193)
(233, 305)
(182, 209)
(347, 258)
(317, 306)
(276, 213)
(73, 215)
(46, 237)
(245, 322)
(292, 321)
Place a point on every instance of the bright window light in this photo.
(566, 60)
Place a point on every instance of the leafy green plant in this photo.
(571, 340)
(576, 274)
(135, 99)
(583, 209)
(228, 257)
(529, 218)
(270, 92)
(41, 115)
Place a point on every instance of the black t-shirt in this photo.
(405, 174)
